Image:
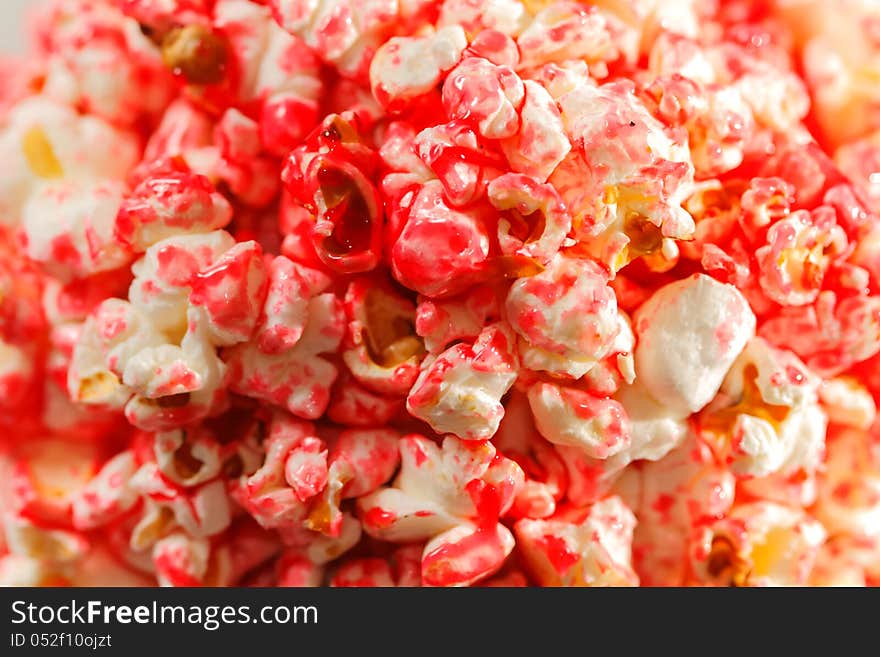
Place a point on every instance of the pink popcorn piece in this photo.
(330, 175)
(566, 316)
(172, 204)
(585, 548)
(385, 350)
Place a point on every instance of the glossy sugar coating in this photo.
(441, 293)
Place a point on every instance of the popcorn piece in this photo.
(689, 333)
(546, 478)
(345, 33)
(297, 379)
(531, 207)
(452, 495)
(108, 495)
(541, 143)
(460, 390)
(673, 499)
(590, 548)
(485, 95)
(566, 31)
(407, 67)
(177, 203)
(566, 315)
(630, 204)
(100, 62)
(567, 416)
(70, 228)
(776, 424)
(182, 561)
(478, 16)
(330, 174)
(44, 142)
(441, 251)
(759, 544)
(386, 351)
(849, 488)
(799, 251)
(441, 322)
(848, 403)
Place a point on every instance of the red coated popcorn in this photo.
(455, 293)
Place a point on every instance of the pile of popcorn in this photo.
(441, 293)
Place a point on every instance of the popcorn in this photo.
(177, 203)
(525, 199)
(759, 544)
(567, 416)
(848, 489)
(799, 251)
(393, 76)
(847, 402)
(629, 204)
(386, 352)
(485, 95)
(673, 498)
(43, 142)
(674, 339)
(297, 378)
(99, 61)
(566, 316)
(452, 495)
(540, 144)
(470, 292)
(460, 390)
(777, 425)
(590, 550)
(567, 31)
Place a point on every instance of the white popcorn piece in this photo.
(68, 227)
(761, 449)
(201, 511)
(567, 31)
(407, 67)
(486, 95)
(181, 560)
(460, 391)
(20, 570)
(567, 416)
(53, 546)
(430, 495)
(626, 177)
(168, 205)
(465, 554)
(689, 334)
(114, 334)
(164, 275)
(101, 62)
(774, 424)
(672, 498)
(535, 204)
(506, 16)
